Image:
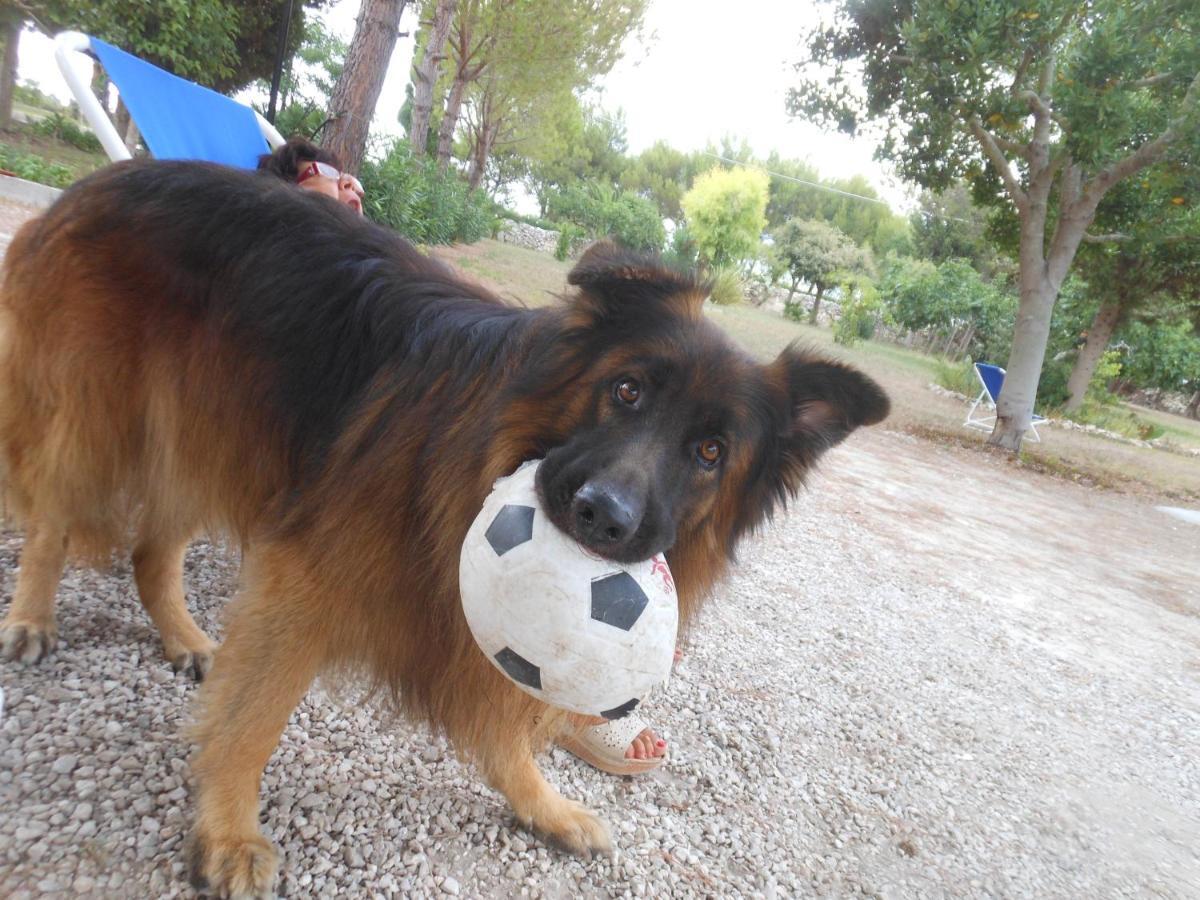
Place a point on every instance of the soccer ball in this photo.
(578, 631)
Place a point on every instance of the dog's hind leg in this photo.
(158, 569)
(29, 632)
(271, 652)
(512, 771)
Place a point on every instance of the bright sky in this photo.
(704, 71)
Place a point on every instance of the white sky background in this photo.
(704, 70)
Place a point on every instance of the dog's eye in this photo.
(709, 452)
(627, 391)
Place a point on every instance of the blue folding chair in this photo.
(177, 118)
(992, 379)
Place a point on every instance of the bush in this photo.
(602, 212)
(568, 236)
(726, 213)
(409, 195)
(958, 377)
(862, 310)
(34, 168)
(681, 253)
(727, 287)
(67, 130)
(31, 95)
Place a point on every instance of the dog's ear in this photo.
(613, 279)
(826, 400)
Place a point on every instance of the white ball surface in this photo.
(573, 629)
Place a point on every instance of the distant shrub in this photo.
(67, 130)
(681, 253)
(958, 377)
(727, 289)
(32, 95)
(34, 168)
(603, 212)
(862, 310)
(568, 236)
(410, 196)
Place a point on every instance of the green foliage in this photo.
(34, 168)
(600, 211)
(1163, 355)
(219, 43)
(682, 251)
(948, 225)
(410, 196)
(817, 253)
(727, 288)
(726, 214)
(307, 82)
(31, 94)
(568, 236)
(1110, 416)
(862, 310)
(63, 128)
(921, 296)
(957, 376)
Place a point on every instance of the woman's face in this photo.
(326, 179)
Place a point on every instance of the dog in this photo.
(186, 348)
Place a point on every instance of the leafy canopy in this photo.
(726, 213)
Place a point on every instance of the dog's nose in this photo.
(605, 518)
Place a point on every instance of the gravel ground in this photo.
(939, 676)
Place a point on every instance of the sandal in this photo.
(604, 746)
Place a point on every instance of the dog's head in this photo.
(676, 432)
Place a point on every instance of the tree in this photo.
(307, 81)
(357, 89)
(1082, 95)
(536, 52)
(1149, 264)
(222, 44)
(10, 26)
(663, 174)
(427, 69)
(948, 225)
(585, 144)
(726, 211)
(818, 254)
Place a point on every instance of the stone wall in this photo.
(529, 236)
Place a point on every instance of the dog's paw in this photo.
(193, 662)
(26, 642)
(233, 869)
(576, 829)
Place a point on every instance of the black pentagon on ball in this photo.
(620, 712)
(618, 600)
(519, 669)
(512, 527)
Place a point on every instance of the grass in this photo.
(1071, 455)
(23, 141)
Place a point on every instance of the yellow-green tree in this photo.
(726, 211)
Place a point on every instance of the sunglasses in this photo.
(324, 170)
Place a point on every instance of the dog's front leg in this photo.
(271, 653)
(572, 826)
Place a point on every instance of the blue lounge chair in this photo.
(178, 119)
(992, 379)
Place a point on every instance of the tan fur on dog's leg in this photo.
(261, 672)
(158, 568)
(538, 805)
(28, 633)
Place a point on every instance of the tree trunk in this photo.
(791, 289)
(357, 90)
(1193, 407)
(479, 156)
(8, 70)
(1104, 324)
(450, 121)
(425, 74)
(100, 86)
(816, 307)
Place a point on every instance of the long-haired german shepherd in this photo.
(187, 348)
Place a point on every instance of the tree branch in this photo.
(1143, 156)
(1000, 163)
(1114, 237)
